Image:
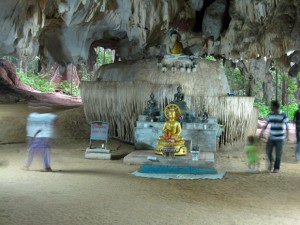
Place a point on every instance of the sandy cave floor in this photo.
(91, 192)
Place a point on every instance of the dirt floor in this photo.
(82, 191)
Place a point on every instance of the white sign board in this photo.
(99, 131)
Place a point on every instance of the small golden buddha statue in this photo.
(171, 132)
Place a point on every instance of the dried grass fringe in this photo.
(120, 103)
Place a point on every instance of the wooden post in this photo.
(72, 79)
(104, 55)
(276, 85)
(284, 90)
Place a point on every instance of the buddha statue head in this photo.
(171, 114)
(174, 36)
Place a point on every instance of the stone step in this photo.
(140, 157)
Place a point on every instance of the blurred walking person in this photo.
(278, 121)
(39, 135)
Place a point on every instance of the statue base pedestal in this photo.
(169, 148)
(174, 59)
(97, 153)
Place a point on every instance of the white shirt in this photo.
(40, 121)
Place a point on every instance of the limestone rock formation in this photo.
(63, 30)
(213, 19)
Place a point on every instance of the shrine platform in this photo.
(141, 157)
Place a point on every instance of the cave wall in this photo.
(66, 29)
(249, 32)
(261, 28)
(63, 30)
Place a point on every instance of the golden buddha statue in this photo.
(171, 132)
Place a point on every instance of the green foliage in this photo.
(264, 110)
(31, 65)
(11, 59)
(85, 75)
(104, 56)
(290, 109)
(210, 57)
(69, 88)
(41, 83)
(292, 89)
(37, 81)
(292, 84)
(236, 80)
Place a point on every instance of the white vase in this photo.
(195, 155)
(164, 69)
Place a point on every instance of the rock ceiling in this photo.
(63, 30)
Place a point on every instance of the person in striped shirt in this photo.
(278, 121)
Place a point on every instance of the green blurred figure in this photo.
(252, 154)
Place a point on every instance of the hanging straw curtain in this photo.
(120, 103)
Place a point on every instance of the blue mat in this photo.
(218, 175)
(176, 169)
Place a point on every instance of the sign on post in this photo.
(99, 132)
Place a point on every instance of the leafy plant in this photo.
(39, 82)
(210, 57)
(236, 80)
(290, 110)
(264, 110)
(85, 75)
(69, 88)
(104, 56)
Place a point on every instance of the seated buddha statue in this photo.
(174, 47)
(171, 132)
(152, 107)
(179, 96)
(172, 128)
(179, 100)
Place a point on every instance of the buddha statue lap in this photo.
(171, 132)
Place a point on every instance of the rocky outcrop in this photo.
(260, 28)
(8, 74)
(213, 19)
(63, 31)
(294, 58)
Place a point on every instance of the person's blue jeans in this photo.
(298, 134)
(297, 153)
(278, 144)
